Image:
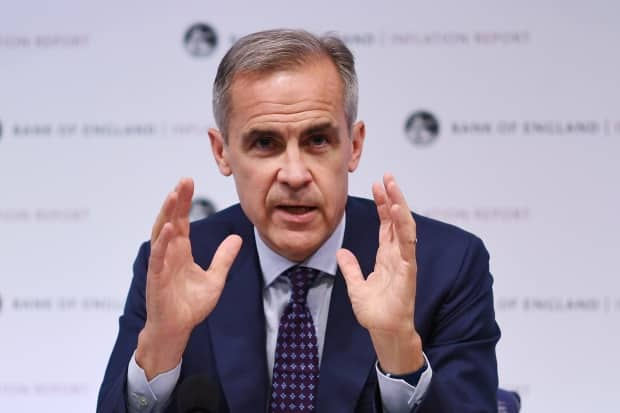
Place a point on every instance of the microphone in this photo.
(198, 394)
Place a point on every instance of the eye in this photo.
(318, 140)
(264, 143)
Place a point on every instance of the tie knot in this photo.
(301, 280)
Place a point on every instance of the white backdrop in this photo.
(102, 109)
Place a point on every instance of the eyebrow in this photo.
(255, 133)
(320, 128)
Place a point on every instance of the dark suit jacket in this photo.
(453, 314)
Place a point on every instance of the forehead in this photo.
(310, 91)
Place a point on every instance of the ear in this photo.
(358, 133)
(220, 151)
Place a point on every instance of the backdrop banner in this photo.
(500, 117)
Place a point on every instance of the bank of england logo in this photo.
(201, 208)
(200, 40)
(422, 128)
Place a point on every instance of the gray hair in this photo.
(281, 49)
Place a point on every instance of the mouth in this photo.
(296, 209)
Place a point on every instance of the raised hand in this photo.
(384, 302)
(179, 293)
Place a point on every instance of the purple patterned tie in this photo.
(296, 366)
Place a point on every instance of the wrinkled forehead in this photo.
(311, 82)
(300, 87)
(317, 73)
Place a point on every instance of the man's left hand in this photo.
(384, 302)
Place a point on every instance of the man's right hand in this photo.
(179, 293)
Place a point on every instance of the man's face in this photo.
(290, 151)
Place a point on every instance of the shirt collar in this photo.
(273, 264)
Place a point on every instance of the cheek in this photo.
(253, 185)
(333, 175)
(333, 186)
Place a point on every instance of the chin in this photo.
(297, 246)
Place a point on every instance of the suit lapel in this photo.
(348, 354)
(237, 327)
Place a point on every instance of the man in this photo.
(301, 298)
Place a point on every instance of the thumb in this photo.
(225, 255)
(350, 268)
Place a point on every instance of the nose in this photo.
(294, 172)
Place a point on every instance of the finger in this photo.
(380, 197)
(383, 187)
(157, 258)
(383, 210)
(394, 193)
(224, 256)
(350, 268)
(404, 227)
(185, 191)
(165, 215)
(404, 224)
(398, 198)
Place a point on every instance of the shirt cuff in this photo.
(145, 396)
(399, 396)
